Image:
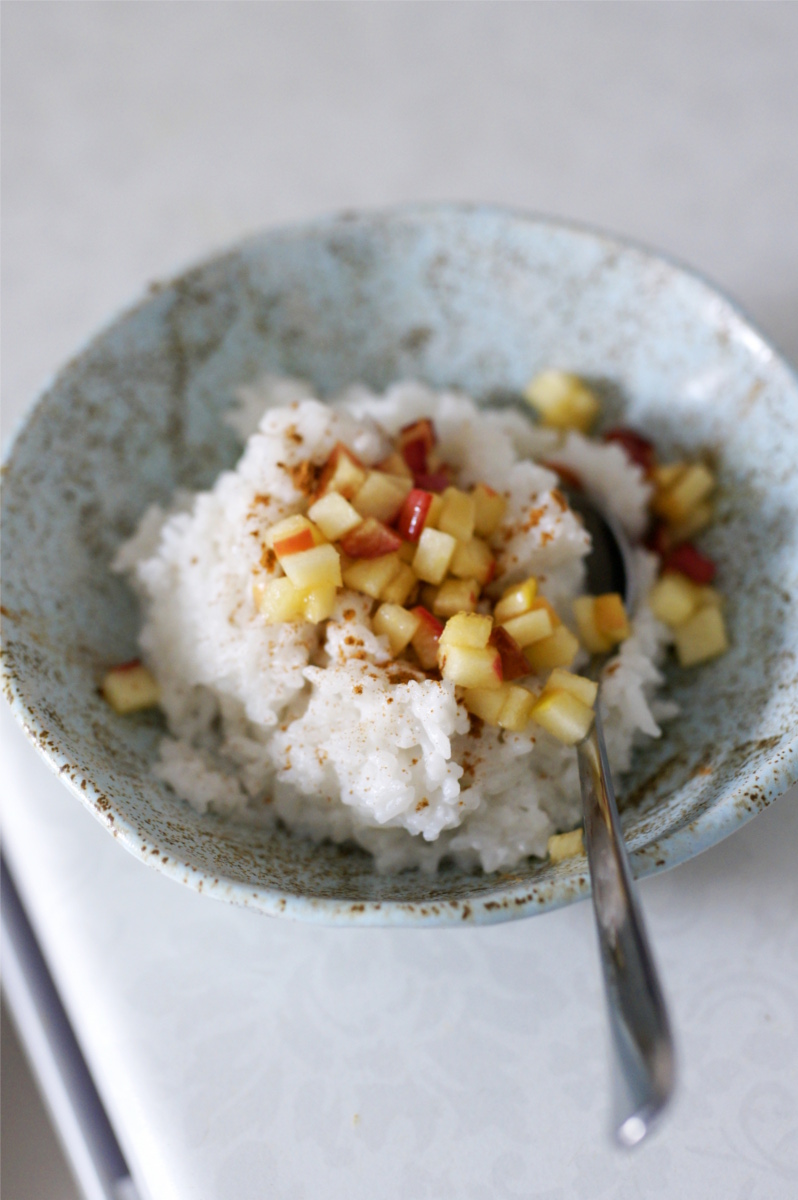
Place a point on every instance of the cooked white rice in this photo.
(318, 725)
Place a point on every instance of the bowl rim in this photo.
(510, 898)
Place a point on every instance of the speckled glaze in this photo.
(472, 297)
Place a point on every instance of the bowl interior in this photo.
(474, 298)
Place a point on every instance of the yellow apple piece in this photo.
(468, 629)
(397, 624)
(696, 520)
(293, 535)
(516, 599)
(610, 617)
(562, 400)
(371, 575)
(516, 712)
(130, 688)
(458, 514)
(489, 509)
(673, 599)
(529, 627)
(313, 568)
(701, 637)
(585, 690)
(455, 596)
(278, 601)
(334, 516)
(565, 845)
(473, 560)
(470, 666)
(433, 555)
(592, 639)
(561, 714)
(559, 649)
(401, 586)
(434, 512)
(485, 703)
(381, 496)
(676, 502)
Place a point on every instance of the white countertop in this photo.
(240, 1057)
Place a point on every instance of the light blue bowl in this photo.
(472, 297)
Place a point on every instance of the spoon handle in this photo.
(641, 1035)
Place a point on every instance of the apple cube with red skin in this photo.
(562, 400)
(559, 649)
(455, 596)
(433, 556)
(458, 514)
(130, 688)
(413, 517)
(370, 539)
(415, 443)
(690, 562)
(563, 715)
(318, 567)
(516, 599)
(371, 576)
(470, 666)
(343, 472)
(468, 629)
(473, 560)
(397, 624)
(489, 509)
(401, 587)
(514, 664)
(381, 496)
(334, 516)
(292, 535)
(426, 638)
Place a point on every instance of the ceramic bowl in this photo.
(470, 297)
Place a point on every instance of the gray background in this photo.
(137, 137)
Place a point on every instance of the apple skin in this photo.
(513, 659)
(638, 448)
(294, 544)
(690, 562)
(370, 539)
(414, 513)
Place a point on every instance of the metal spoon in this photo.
(644, 1072)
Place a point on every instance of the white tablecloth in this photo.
(245, 1058)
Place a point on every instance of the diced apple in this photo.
(691, 488)
(433, 516)
(567, 718)
(455, 596)
(559, 649)
(343, 472)
(400, 589)
(666, 475)
(516, 599)
(584, 689)
(334, 516)
(489, 509)
(318, 603)
(542, 602)
(434, 554)
(397, 624)
(381, 496)
(673, 599)
(413, 516)
(514, 664)
(313, 568)
(415, 443)
(370, 539)
(565, 845)
(470, 666)
(709, 595)
(610, 617)
(696, 520)
(279, 601)
(485, 703)
(516, 712)
(701, 637)
(529, 627)
(468, 629)
(407, 552)
(434, 481)
(293, 535)
(690, 562)
(457, 514)
(473, 560)
(130, 688)
(371, 576)
(395, 464)
(562, 400)
(426, 638)
(593, 640)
